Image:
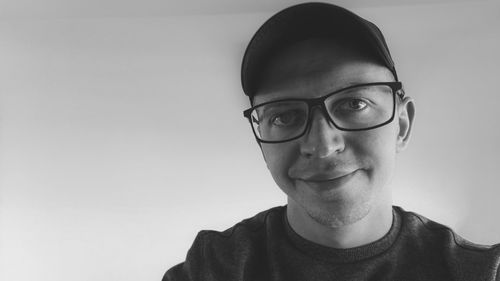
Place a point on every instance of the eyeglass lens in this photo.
(356, 108)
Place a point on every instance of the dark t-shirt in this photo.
(265, 247)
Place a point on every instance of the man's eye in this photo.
(284, 119)
(354, 104)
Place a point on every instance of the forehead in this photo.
(316, 67)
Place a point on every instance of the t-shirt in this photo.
(265, 247)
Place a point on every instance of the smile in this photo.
(330, 181)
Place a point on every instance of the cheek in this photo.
(376, 149)
(279, 159)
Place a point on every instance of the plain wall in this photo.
(121, 138)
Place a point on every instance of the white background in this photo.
(122, 135)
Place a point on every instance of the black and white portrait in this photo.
(125, 152)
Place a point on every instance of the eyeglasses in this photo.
(354, 108)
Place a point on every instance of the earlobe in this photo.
(406, 115)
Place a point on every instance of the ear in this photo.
(405, 115)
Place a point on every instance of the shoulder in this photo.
(441, 242)
(251, 227)
(428, 229)
(243, 242)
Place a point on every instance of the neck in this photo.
(368, 229)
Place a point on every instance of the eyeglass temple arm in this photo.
(401, 92)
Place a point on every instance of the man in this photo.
(330, 115)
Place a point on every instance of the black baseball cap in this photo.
(305, 21)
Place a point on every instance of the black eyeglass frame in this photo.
(396, 87)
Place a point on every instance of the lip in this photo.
(328, 177)
(331, 180)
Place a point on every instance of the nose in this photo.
(322, 139)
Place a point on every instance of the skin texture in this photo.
(356, 207)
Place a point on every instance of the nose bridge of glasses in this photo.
(322, 135)
(317, 106)
(318, 103)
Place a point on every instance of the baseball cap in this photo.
(304, 21)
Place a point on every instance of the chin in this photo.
(337, 214)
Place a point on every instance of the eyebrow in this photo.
(346, 85)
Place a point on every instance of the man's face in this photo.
(336, 177)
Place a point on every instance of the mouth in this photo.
(329, 180)
(327, 177)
